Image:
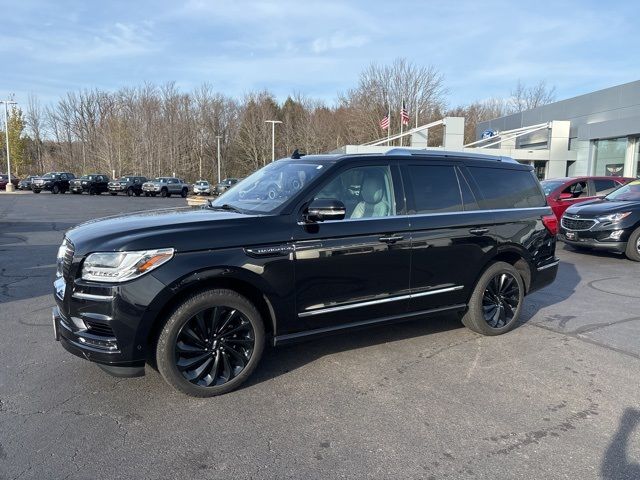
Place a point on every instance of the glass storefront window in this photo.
(609, 157)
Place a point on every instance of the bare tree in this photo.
(524, 97)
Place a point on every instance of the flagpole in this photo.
(401, 123)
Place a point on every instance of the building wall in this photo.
(595, 119)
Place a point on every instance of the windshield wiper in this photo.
(226, 206)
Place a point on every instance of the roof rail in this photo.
(446, 153)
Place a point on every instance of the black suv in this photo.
(129, 184)
(55, 182)
(351, 241)
(93, 184)
(611, 223)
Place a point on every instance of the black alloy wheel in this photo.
(211, 343)
(214, 346)
(496, 301)
(500, 300)
(55, 190)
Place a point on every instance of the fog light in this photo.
(616, 234)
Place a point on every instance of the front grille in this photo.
(67, 261)
(571, 223)
(99, 328)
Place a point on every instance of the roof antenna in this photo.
(296, 154)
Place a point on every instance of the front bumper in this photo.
(78, 188)
(107, 323)
(116, 188)
(590, 242)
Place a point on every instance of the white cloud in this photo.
(338, 41)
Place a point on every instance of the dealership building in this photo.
(593, 134)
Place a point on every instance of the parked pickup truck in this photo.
(131, 185)
(93, 184)
(165, 187)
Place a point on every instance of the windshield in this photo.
(48, 175)
(269, 187)
(630, 191)
(126, 179)
(550, 185)
(86, 177)
(202, 184)
(160, 180)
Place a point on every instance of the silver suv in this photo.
(165, 187)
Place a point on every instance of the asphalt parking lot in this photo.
(558, 397)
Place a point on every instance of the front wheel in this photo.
(633, 246)
(36, 191)
(211, 343)
(129, 192)
(164, 193)
(496, 301)
(55, 190)
(184, 193)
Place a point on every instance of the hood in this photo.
(185, 229)
(595, 208)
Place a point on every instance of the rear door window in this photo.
(504, 188)
(433, 189)
(604, 186)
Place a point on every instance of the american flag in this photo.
(404, 115)
(384, 123)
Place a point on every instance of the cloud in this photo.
(338, 41)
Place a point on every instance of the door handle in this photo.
(391, 238)
(478, 231)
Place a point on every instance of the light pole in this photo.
(273, 137)
(218, 137)
(9, 187)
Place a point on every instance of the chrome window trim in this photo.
(459, 212)
(366, 303)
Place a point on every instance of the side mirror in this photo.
(325, 209)
(565, 196)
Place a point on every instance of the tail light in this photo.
(551, 224)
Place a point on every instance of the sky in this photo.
(315, 48)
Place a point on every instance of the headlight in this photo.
(614, 217)
(122, 266)
(60, 258)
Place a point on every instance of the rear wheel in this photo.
(496, 301)
(633, 246)
(211, 343)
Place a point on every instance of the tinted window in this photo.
(506, 188)
(435, 189)
(604, 187)
(577, 189)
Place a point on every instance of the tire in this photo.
(55, 190)
(499, 289)
(36, 191)
(129, 192)
(184, 193)
(164, 193)
(633, 246)
(229, 373)
(113, 194)
(92, 191)
(138, 194)
(73, 192)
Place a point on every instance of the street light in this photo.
(9, 187)
(273, 137)
(218, 137)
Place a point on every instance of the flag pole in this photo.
(401, 122)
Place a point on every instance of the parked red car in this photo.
(563, 192)
(4, 179)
